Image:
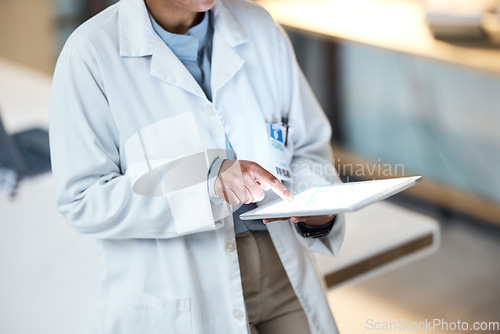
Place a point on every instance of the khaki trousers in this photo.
(272, 306)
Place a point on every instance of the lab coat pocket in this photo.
(130, 312)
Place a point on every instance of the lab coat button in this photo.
(230, 246)
(238, 314)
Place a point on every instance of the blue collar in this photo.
(189, 45)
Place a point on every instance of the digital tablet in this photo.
(333, 199)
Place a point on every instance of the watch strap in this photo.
(310, 231)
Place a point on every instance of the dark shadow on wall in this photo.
(319, 61)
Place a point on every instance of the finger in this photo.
(268, 179)
(242, 194)
(255, 191)
(248, 198)
(231, 197)
(219, 193)
(262, 186)
(305, 219)
(219, 188)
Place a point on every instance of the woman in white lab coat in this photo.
(123, 107)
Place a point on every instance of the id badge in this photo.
(277, 134)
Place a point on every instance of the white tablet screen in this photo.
(337, 197)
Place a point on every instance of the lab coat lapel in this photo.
(166, 66)
(136, 32)
(138, 39)
(228, 34)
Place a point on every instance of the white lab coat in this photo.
(115, 78)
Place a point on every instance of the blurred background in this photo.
(410, 87)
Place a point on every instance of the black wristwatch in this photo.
(309, 231)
